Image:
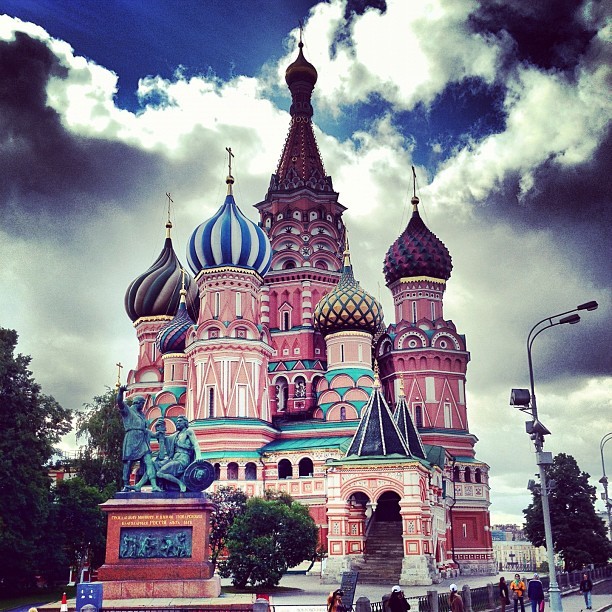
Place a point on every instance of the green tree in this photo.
(80, 524)
(266, 539)
(100, 426)
(579, 535)
(32, 424)
(229, 503)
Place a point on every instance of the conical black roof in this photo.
(405, 424)
(377, 434)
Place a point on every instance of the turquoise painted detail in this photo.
(309, 364)
(305, 443)
(353, 373)
(231, 455)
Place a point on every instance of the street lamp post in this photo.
(526, 401)
(604, 480)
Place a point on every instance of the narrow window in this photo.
(464, 530)
(342, 353)
(242, 400)
(211, 402)
(468, 475)
(414, 312)
(478, 476)
(217, 304)
(418, 416)
(360, 352)
(433, 311)
(342, 413)
(286, 322)
(238, 304)
(447, 415)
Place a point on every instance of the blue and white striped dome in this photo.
(229, 239)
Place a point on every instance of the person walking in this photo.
(504, 594)
(397, 602)
(456, 603)
(517, 586)
(535, 592)
(334, 601)
(586, 586)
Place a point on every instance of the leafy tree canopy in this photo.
(100, 427)
(579, 535)
(229, 503)
(266, 539)
(32, 424)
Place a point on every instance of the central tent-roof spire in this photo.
(300, 164)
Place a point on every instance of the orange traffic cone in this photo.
(64, 606)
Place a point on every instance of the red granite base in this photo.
(146, 568)
(151, 589)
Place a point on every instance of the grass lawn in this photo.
(36, 597)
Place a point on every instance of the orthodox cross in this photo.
(119, 367)
(182, 279)
(229, 155)
(413, 182)
(170, 200)
(301, 24)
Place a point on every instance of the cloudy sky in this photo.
(503, 108)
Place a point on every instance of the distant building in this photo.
(513, 552)
(270, 349)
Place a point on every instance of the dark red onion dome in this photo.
(171, 337)
(301, 70)
(157, 291)
(417, 252)
(347, 307)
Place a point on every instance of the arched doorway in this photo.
(387, 507)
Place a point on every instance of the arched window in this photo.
(285, 469)
(217, 471)
(305, 467)
(343, 413)
(238, 304)
(418, 416)
(320, 264)
(281, 393)
(300, 387)
(286, 320)
(468, 475)
(456, 474)
(217, 304)
(414, 314)
(289, 265)
(478, 475)
(232, 471)
(250, 471)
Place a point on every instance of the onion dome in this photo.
(156, 292)
(301, 70)
(171, 337)
(229, 239)
(417, 252)
(347, 306)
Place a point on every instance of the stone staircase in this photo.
(384, 554)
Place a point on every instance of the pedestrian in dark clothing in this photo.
(586, 586)
(397, 602)
(456, 603)
(334, 601)
(504, 595)
(535, 592)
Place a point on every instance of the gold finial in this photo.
(414, 201)
(347, 252)
(183, 290)
(301, 23)
(168, 222)
(230, 179)
(119, 367)
(376, 377)
(401, 387)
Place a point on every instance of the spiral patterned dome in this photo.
(347, 307)
(301, 70)
(157, 291)
(171, 337)
(417, 252)
(229, 239)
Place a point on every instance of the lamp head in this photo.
(592, 305)
(571, 319)
(520, 397)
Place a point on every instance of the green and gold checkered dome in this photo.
(347, 307)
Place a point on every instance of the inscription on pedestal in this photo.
(155, 543)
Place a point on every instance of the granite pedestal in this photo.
(157, 546)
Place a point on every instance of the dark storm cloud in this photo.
(549, 34)
(48, 173)
(573, 203)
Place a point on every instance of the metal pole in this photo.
(553, 588)
(604, 480)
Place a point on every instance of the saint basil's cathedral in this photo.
(291, 380)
